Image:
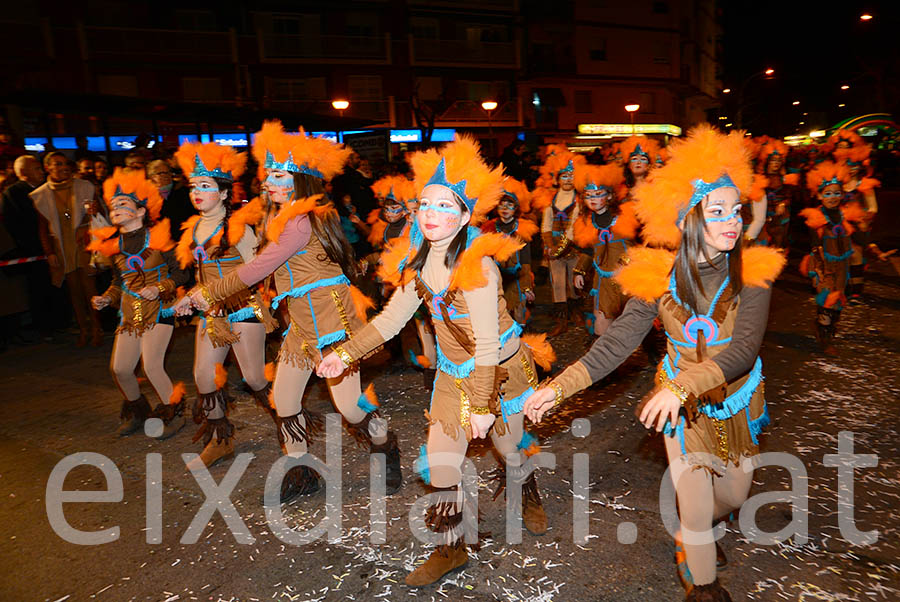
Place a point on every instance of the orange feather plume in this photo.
(520, 191)
(289, 212)
(269, 371)
(705, 154)
(646, 275)
(852, 138)
(648, 145)
(814, 218)
(133, 182)
(825, 172)
(248, 215)
(867, 184)
(792, 179)
(609, 176)
(462, 161)
(319, 154)
(178, 391)
(104, 241)
(541, 349)
(627, 223)
(542, 197)
(183, 250)
(585, 233)
(526, 229)
(361, 303)
(469, 275)
(213, 156)
(221, 376)
(770, 147)
(761, 265)
(394, 253)
(397, 186)
(161, 236)
(560, 160)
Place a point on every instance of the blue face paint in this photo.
(735, 214)
(832, 195)
(285, 181)
(393, 209)
(437, 209)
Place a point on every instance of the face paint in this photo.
(831, 196)
(279, 185)
(567, 180)
(125, 213)
(393, 212)
(596, 200)
(735, 213)
(440, 215)
(722, 214)
(204, 193)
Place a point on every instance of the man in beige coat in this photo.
(63, 204)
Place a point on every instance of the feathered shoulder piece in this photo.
(210, 160)
(526, 229)
(133, 184)
(814, 217)
(391, 268)
(289, 212)
(825, 174)
(161, 236)
(627, 223)
(868, 184)
(646, 273)
(542, 197)
(585, 232)
(469, 272)
(104, 241)
(519, 191)
(761, 265)
(376, 233)
(248, 215)
(854, 212)
(183, 250)
(792, 179)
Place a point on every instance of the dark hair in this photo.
(52, 154)
(227, 186)
(327, 228)
(457, 246)
(693, 246)
(630, 179)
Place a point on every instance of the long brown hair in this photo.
(692, 249)
(457, 245)
(225, 185)
(327, 228)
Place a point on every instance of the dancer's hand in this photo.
(579, 281)
(664, 404)
(149, 292)
(538, 403)
(884, 255)
(331, 366)
(481, 424)
(529, 296)
(182, 307)
(197, 300)
(100, 301)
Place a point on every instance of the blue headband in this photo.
(701, 189)
(201, 171)
(512, 195)
(569, 167)
(638, 151)
(825, 183)
(131, 196)
(289, 165)
(459, 188)
(592, 186)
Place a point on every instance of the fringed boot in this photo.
(445, 518)
(133, 415)
(172, 413)
(261, 398)
(533, 516)
(826, 327)
(362, 433)
(216, 431)
(560, 314)
(294, 435)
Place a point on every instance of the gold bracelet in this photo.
(677, 389)
(559, 393)
(206, 295)
(480, 410)
(342, 353)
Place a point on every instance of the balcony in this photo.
(291, 48)
(468, 113)
(123, 44)
(424, 52)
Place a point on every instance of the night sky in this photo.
(814, 47)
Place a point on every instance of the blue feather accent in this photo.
(421, 465)
(302, 291)
(241, 315)
(527, 441)
(756, 426)
(332, 337)
(822, 296)
(365, 405)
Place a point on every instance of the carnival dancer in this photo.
(312, 265)
(484, 370)
(641, 155)
(604, 231)
(217, 242)
(713, 298)
(397, 196)
(560, 210)
(833, 228)
(780, 196)
(146, 277)
(518, 281)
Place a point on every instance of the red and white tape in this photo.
(6, 262)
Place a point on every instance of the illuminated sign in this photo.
(64, 142)
(36, 145)
(332, 136)
(626, 129)
(230, 139)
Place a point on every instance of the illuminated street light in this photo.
(726, 91)
(845, 87)
(489, 105)
(340, 105)
(632, 109)
(802, 123)
(722, 118)
(865, 17)
(841, 105)
(728, 125)
(796, 102)
(769, 72)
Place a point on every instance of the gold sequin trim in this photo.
(529, 373)
(341, 311)
(464, 405)
(138, 311)
(721, 439)
(257, 309)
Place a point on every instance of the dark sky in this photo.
(814, 47)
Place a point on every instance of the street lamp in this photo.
(632, 109)
(767, 74)
(489, 106)
(340, 105)
(865, 17)
(796, 102)
(726, 91)
(845, 87)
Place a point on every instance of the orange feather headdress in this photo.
(459, 166)
(298, 153)
(592, 177)
(133, 184)
(210, 160)
(850, 137)
(826, 173)
(704, 161)
(771, 147)
(518, 191)
(396, 188)
(639, 145)
(561, 160)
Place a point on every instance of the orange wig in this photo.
(133, 183)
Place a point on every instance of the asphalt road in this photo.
(56, 400)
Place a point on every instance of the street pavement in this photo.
(56, 400)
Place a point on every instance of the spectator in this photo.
(63, 204)
(357, 184)
(177, 205)
(135, 160)
(21, 221)
(101, 170)
(86, 170)
(512, 159)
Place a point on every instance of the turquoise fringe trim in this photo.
(515, 405)
(514, 330)
(756, 426)
(735, 402)
(455, 370)
(365, 405)
(333, 337)
(241, 315)
(302, 291)
(842, 257)
(421, 465)
(166, 312)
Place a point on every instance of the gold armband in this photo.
(342, 353)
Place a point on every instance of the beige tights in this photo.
(150, 347)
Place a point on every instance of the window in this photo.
(583, 102)
(117, 85)
(598, 49)
(286, 25)
(195, 20)
(662, 52)
(201, 88)
(429, 88)
(310, 88)
(365, 87)
(362, 24)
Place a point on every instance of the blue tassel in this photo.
(527, 441)
(365, 405)
(757, 426)
(240, 315)
(302, 291)
(332, 337)
(514, 330)
(822, 296)
(738, 400)
(421, 465)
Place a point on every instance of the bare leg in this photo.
(731, 489)
(154, 343)
(445, 456)
(205, 359)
